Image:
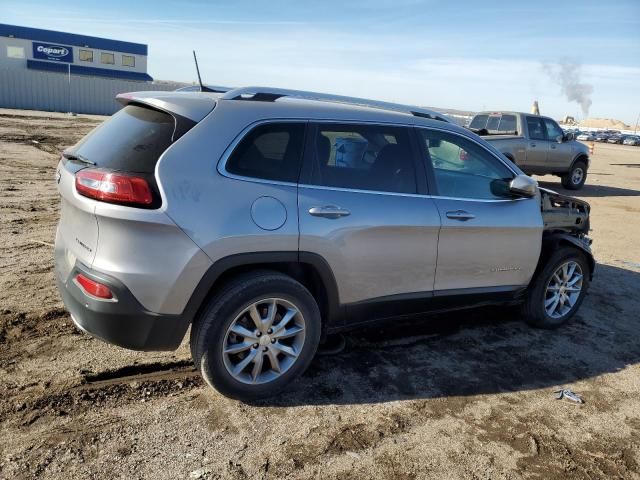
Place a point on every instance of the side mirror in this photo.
(560, 138)
(523, 186)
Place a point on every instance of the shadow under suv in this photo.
(267, 218)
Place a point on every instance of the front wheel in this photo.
(558, 289)
(574, 180)
(257, 335)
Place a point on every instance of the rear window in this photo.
(479, 122)
(132, 140)
(271, 152)
(495, 124)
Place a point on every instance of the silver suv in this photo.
(268, 218)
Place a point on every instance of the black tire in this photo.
(209, 331)
(568, 180)
(533, 308)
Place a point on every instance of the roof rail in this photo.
(268, 94)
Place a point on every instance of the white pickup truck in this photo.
(536, 144)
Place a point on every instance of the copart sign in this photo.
(57, 53)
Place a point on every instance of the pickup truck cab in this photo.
(536, 144)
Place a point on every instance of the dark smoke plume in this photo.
(567, 75)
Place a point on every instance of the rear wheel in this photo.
(256, 336)
(558, 289)
(574, 180)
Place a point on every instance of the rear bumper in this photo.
(123, 322)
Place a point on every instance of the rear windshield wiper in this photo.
(77, 158)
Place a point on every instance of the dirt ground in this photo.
(466, 395)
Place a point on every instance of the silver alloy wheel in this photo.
(264, 341)
(577, 176)
(563, 289)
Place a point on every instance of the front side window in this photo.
(85, 55)
(15, 52)
(553, 130)
(363, 157)
(272, 152)
(107, 58)
(462, 168)
(128, 61)
(535, 126)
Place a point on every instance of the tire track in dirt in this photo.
(110, 388)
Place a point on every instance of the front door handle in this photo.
(532, 144)
(460, 215)
(329, 211)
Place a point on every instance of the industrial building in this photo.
(68, 72)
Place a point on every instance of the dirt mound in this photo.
(609, 123)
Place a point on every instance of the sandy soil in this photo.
(467, 395)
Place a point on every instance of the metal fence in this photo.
(55, 92)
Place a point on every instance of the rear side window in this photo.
(536, 128)
(272, 152)
(132, 140)
(363, 157)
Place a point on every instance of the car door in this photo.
(488, 242)
(560, 153)
(360, 209)
(537, 145)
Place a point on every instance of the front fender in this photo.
(583, 243)
(582, 154)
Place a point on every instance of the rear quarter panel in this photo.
(215, 210)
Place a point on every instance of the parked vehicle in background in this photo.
(601, 137)
(587, 137)
(615, 139)
(632, 140)
(536, 144)
(267, 218)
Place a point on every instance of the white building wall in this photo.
(37, 90)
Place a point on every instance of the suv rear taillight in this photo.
(113, 187)
(93, 288)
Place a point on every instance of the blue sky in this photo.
(468, 55)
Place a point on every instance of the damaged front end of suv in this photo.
(566, 220)
(561, 213)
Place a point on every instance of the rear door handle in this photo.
(460, 215)
(329, 211)
(532, 144)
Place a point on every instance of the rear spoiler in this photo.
(194, 106)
